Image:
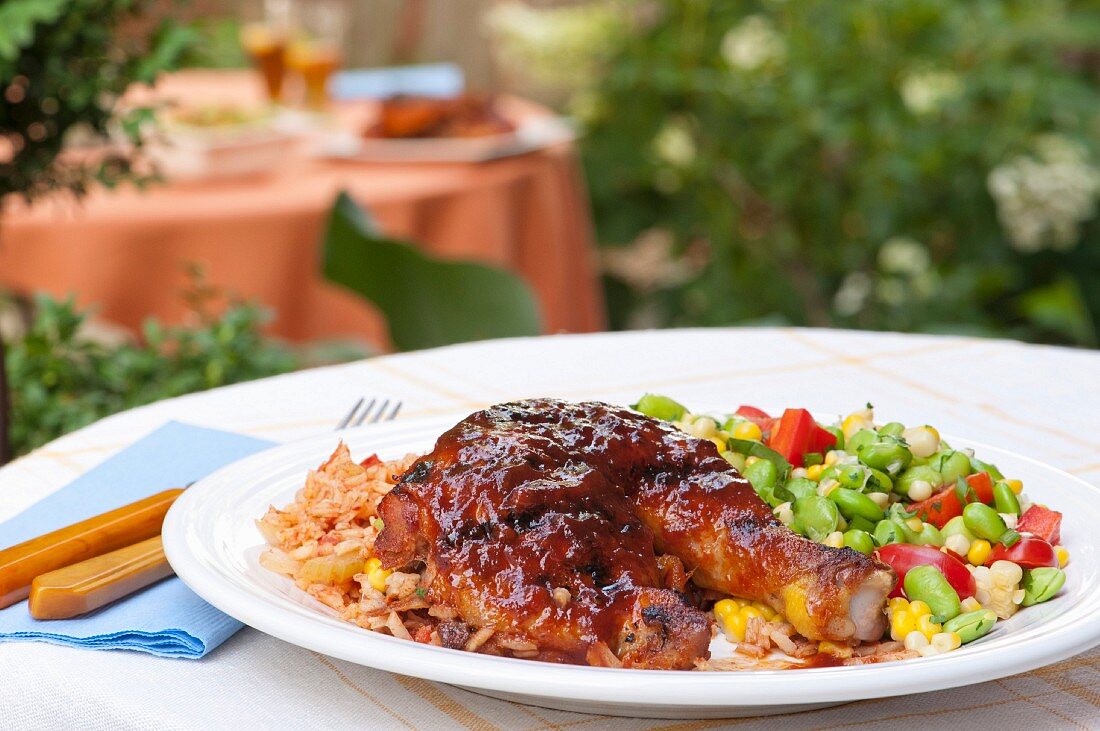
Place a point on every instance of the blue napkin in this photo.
(434, 79)
(167, 619)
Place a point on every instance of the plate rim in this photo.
(669, 689)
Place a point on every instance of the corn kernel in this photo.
(901, 624)
(376, 575)
(970, 604)
(898, 603)
(880, 499)
(768, 612)
(835, 539)
(750, 611)
(1006, 573)
(915, 524)
(957, 543)
(927, 626)
(918, 607)
(857, 420)
(747, 430)
(915, 640)
(826, 486)
(920, 490)
(831, 459)
(734, 627)
(724, 608)
(813, 472)
(834, 648)
(946, 641)
(720, 443)
(979, 552)
(1063, 556)
(1017, 486)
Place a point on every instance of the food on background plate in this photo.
(592, 534)
(467, 115)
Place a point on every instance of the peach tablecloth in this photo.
(125, 250)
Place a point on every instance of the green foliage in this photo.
(62, 380)
(921, 165)
(63, 66)
(427, 302)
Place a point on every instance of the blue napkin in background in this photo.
(166, 619)
(434, 79)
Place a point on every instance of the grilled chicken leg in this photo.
(523, 499)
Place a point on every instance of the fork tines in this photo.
(370, 413)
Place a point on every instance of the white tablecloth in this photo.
(1041, 401)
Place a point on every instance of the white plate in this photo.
(211, 541)
(530, 134)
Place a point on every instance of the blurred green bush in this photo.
(62, 380)
(926, 165)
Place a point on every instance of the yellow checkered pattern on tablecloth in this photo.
(1040, 401)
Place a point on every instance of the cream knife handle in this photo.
(82, 587)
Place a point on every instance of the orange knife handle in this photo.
(92, 537)
(82, 587)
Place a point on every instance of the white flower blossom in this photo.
(559, 47)
(853, 293)
(650, 262)
(752, 43)
(674, 143)
(901, 255)
(1042, 200)
(926, 92)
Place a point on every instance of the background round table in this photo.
(125, 251)
(1038, 400)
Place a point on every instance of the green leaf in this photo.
(18, 19)
(427, 302)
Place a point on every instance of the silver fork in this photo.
(371, 413)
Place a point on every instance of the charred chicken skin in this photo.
(545, 520)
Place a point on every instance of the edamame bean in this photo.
(972, 625)
(853, 504)
(815, 516)
(862, 524)
(762, 474)
(859, 540)
(929, 585)
(878, 481)
(1004, 499)
(925, 473)
(888, 455)
(887, 531)
(979, 466)
(660, 407)
(929, 535)
(801, 487)
(852, 476)
(983, 521)
(956, 527)
(951, 465)
(893, 429)
(861, 438)
(1041, 584)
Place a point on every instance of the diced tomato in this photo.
(902, 557)
(1030, 552)
(945, 504)
(1042, 522)
(370, 461)
(754, 414)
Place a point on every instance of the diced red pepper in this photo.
(945, 504)
(821, 440)
(370, 461)
(791, 437)
(754, 414)
(1030, 552)
(1042, 522)
(902, 557)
